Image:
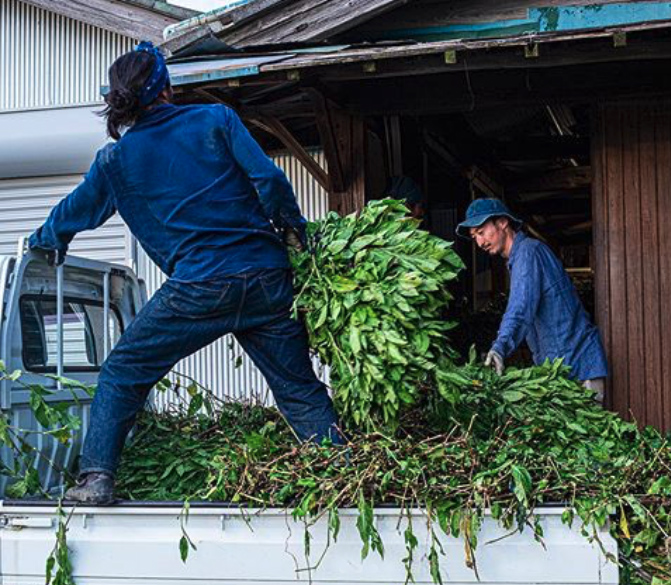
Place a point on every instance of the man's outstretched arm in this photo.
(87, 207)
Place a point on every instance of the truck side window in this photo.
(83, 331)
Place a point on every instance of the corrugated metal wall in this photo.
(215, 366)
(48, 60)
(25, 204)
(632, 210)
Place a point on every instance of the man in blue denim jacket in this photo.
(209, 207)
(543, 306)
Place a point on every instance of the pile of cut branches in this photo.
(509, 444)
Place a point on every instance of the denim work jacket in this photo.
(194, 188)
(544, 308)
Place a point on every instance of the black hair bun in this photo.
(122, 99)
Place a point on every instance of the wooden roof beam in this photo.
(274, 127)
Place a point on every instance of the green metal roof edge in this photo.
(542, 20)
(177, 80)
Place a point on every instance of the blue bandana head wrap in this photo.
(158, 78)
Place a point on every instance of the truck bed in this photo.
(137, 542)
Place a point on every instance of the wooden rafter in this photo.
(274, 127)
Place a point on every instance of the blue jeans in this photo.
(180, 319)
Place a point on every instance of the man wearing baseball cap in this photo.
(543, 305)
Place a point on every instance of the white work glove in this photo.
(292, 240)
(495, 360)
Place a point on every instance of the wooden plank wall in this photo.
(632, 211)
(349, 132)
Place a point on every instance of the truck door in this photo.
(61, 321)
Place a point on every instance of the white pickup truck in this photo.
(64, 321)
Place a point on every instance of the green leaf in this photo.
(512, 395)
(455, 523)
(343, 285)
(337, 246)
(334, 523)
(567, 517)
(661, 486)
(323, 314)
(355, 339)
(195, 405)
(434, 566)
(362, 242)
(184, 549)
(4, 430)
(522, 483)
(51, 563)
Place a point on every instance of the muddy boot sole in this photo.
(75, 498)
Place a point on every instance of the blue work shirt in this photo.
(544, 308)
(195, 189)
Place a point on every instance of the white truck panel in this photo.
(139, 545)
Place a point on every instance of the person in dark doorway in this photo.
(543, 305)
(216, 215)
(405, 188)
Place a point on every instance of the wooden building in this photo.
(558, 107)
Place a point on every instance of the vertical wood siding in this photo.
(632, 211)
(50, 60)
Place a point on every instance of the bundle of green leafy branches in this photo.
(508, 444)
(373, 293)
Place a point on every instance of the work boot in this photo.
(95, 489)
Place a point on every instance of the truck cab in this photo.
(58, 322)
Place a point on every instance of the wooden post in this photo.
(343, 138)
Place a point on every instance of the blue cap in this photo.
(481, 211)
